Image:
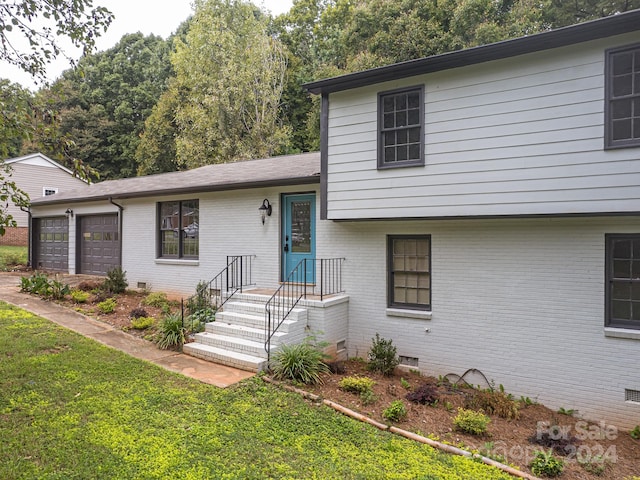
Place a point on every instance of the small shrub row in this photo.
(41, 285)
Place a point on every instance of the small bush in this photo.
(382, 356)
(368, 397)
(493, 403)
(544, 463)
(116, 281)
(171, 333)
(107, 306)
(470, 421)
(142, 323)
(138, 313)
(40, 284)
(406, 385)
(357, 385)
(635, 433)
(302, 362)
(156, 299)
(79, 296)
(395, 412)
(88, 285)
(426, 394)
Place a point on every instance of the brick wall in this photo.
(17, 236)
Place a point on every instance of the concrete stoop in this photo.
(237, 337)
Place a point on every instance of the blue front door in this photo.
(298, 235)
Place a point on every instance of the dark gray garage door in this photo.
(99, 244)
(51, 243)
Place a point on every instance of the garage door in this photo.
(99, 244)
(51, 244)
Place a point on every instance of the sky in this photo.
(132, 16)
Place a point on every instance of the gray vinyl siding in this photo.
(33, 178)
(521, 136)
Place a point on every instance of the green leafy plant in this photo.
(526, 401)
(302, 362)
(40, 284)
(155, 299)
(635, 433)
(546, 464)
(472, 422)
(78, 296)
(368, 397)
(116, 281)
(566, 411)
(59, 289)
(107, 306)
(406, 385)
(426, 394)
(357, 385)
(395, 412)
(171, 332)
(382, 356)
(142, 323)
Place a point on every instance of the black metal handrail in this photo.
(297, 286)
(214, 294)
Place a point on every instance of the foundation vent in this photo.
(410, 361)
(142, 285)
(341, 345)
(632, 395)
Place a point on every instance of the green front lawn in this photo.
(72, 408)
(11, 256)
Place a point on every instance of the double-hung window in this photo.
(622, 97)
(178, 229)
(622, 296)
(401, 128)
(409, 271)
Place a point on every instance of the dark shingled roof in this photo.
(297, 169)
(560, 37)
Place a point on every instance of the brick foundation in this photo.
(17, 236)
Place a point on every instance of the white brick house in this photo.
(487, 203)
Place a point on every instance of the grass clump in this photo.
(395, 412)
(383, 356)
(302, 362)
(171, 332)
(142, 323)
(470, 421)
(546, 464)
(107, 306)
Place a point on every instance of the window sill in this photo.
(622, 333)
(177, 261)
(406, 313)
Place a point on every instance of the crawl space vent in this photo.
(341, 345)
(142, 285)
(632, 395)
(410, 361)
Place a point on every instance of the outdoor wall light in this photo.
(265, 210)
(69, 213)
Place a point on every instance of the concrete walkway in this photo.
(207, 372)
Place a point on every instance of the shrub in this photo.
(107, 306)
(544, 463)
(426, 394)
(155, 299)
(302, 362)
(88, 285)
(382, 356)
(142, 323)
(138, 312)
(171, 333)
(395, 412)
(357, 385)
(116, 281)
(40, 284)
(493, 403)
(635, 433)
(79, 296)
(470, 421)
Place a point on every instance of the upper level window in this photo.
(409, 271)
(622, 97)
(401, 128)
(179, 230)
(622, 296)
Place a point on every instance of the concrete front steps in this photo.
(237, 336)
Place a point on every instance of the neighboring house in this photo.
(486, 203)
(39, 176)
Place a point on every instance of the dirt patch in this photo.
(591, 450)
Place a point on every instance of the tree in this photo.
(73, 19)
(230, 76)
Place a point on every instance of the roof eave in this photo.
(307, 180)
(561, 37)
